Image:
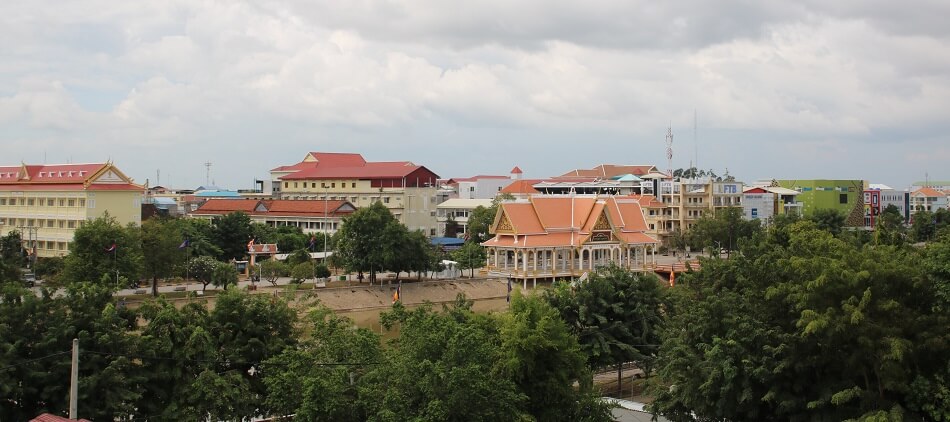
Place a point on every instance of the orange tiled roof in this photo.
(928, 192)
(522, 187)
(547, 221)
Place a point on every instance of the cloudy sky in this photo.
(808, 89)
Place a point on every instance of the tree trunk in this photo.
(154, 286)
(619, 380)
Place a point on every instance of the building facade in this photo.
(845, 196)
(766, 202)
(563, 236)
(310, 216)
(407, 190)
(878, 197)
(47, 203)
(458, 210)
(927, 199)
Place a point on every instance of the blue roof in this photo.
(217, 194)
(447, 241)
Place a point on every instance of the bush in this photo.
(322, 271)
(301, 272)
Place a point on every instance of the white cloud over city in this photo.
(781, 90)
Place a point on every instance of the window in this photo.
(354, 185)
(82, 202)
(50, 202)
(71, 224)
(843, 198)
(313, 185)
(62, 202)
(295, 184)
(71, 202)
(3, 201)
(92, 203)
(286, 184)
(31, 202)
(333, 185)
(323, 184)
(50, 223)
(386, 200)
(62, 224)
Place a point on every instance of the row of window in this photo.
(44, 202)
(51, 245)
(313, 185)
(42, 223)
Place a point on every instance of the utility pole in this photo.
(74, 383)
(207, 173)
(30, 242)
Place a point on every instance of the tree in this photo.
(443, 366)
(36, 334)
(224, 275)
(273, 269)
(299, 256)
(301, 272)
(321, 271)
(480, 221)
(359, 241)
(890, 229)
(829, 220)
(48, 268)
(544, 360)
(724, 228)
(451, 227)
(231, 234)
(202, 269)
(161, 238)
(617, 316)
(818, 329)
(470, 256)
(201, 237)
(91, 254)
(321, 378)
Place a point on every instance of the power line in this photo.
(34, 360)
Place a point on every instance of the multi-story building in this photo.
(687, 200)
(47, 203)
(937, 185)
(927, 199)
(877, 197)
(765, 202)
(459, 210)
(310, 216)
(408, 190)
(845, 196)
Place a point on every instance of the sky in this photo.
(811, 89)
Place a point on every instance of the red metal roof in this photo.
(275, 207)
(52, 173)
(522, 186)
(338, 159)
(516, 170)
(378, 170)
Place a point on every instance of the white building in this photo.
(458, 209)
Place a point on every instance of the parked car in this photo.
(29, 279)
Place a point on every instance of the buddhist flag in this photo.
(396, 295)
(672, 278)
(508, 298)
(185, 244)
(112, 248)
(250, 244)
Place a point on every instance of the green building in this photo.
(846, 196)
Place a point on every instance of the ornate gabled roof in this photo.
(569, 221)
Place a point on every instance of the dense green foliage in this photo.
(372, 240)
(805, 326)
(723, 229)
(470, 256)
(90, 256)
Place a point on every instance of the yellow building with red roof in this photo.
(555, 236)
(48, 202)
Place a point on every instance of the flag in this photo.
(185, 244)
(111, 248)
(250, 244)
(396, 293)
(508, 298)
(672, 278)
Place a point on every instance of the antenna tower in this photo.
(207, 172)
(695, 142)
(669, 150)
